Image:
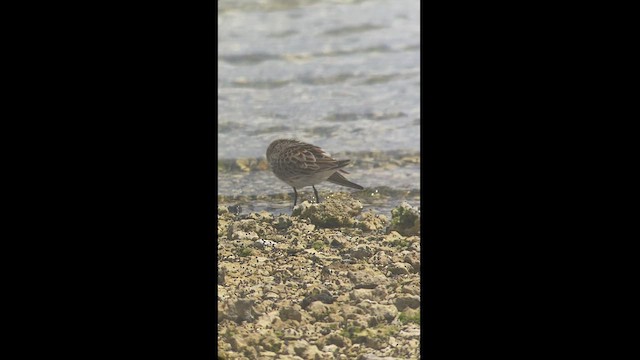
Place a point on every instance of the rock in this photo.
(361, 251)
(413, 259)
(337, 340)
(338, 243)
(382, 313)
(312, 352)
(400, 268)
(372, 222)
(300, 347)
(270, 295)
(282, 222)
(367, 279)
(235, 209)
(238, 342)
(338, 210)
(323, 296)
(240, 310)
(244, 235)
(375, 357)
(330, 348)
(271, 343)
(410, 333)
(318, 310)
(359, 295)
(290, 313)
(410, 289)
(261, 244)
(381, 258)
(405, 219)
(404, 301)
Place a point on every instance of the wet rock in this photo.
(405, 219)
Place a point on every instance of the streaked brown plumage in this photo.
(300, 164)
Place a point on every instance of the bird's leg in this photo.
(316, 192)
(295, 197)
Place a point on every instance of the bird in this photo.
(299, 164)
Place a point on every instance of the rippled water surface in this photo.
(343, 75)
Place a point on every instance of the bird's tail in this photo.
(336, 178)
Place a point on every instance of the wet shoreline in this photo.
(327, 280)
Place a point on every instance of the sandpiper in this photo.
(300, 164)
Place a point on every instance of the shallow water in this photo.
(343, 75)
